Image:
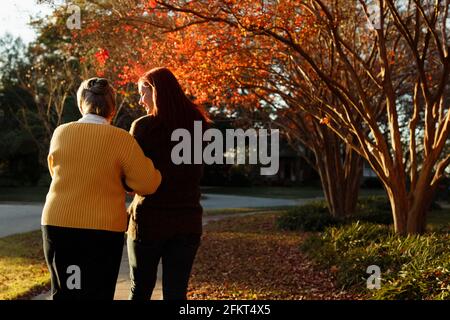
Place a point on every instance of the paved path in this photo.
(19, 217)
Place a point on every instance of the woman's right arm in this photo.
(55, 137)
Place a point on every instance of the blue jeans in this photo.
(177, 254)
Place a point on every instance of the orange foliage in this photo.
(215, 62)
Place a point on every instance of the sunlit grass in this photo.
(280, 192)
(23, 194)
(439, 220)
(23, 271)
(231, 211)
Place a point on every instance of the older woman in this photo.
(84, 217)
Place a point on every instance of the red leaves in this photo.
(102, 55)
(214, 62)
(325, 121)
(91, 27)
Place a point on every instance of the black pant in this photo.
(177, 253)
(84, 264)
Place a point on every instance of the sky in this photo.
(15, 14)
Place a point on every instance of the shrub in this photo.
(320, 250)
(309, 217)
(356, 235)
(315, 216)
(429, 283)
(372, 183)
(373, 209)
(413, 267)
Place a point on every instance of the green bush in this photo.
(356, 235)
(310, 217)
(353, 265)
(320, 250)
(430, 283)
(373, 209)
(315, 216)
(413, 267)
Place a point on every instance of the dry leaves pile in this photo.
(248, 258)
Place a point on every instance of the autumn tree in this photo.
(400, 33)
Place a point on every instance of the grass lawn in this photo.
(280, 192)
(267, 192)
(23, 272)
(230, 211)
(23, 194)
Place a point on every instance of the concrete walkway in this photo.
(16, 218)
(19, 217)
(123, 281)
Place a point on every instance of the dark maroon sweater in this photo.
(175, 207)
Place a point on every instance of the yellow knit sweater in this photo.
(87, 162)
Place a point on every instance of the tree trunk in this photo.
(399, 207)
(340, 174)
(420, 201)
(409, 210)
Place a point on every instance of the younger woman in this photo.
(168, 224)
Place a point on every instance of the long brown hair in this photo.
(173, 107)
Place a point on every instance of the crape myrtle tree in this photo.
(398, 34)
(360, 69)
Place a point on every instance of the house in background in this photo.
(368, 171)
(293, 169)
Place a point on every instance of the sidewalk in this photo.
(123, 281)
